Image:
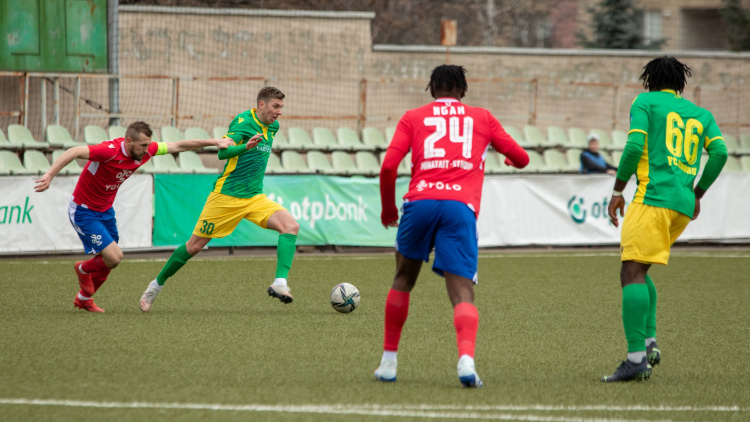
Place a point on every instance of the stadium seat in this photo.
(324, 140)
(745, 162)
(616, 155)
(292, 162)
(404, 167)
(605, 140)
(373, 138)
(317, 162)
(536, 163)
(516, 135)
(574, 158)
(280, 143)
(534, 137)
(191, 163)
(299, 139)
(733, 165)
(493, 164)
(172, 134)
(556, 161)
(389, 132)
(5, 143)
(619, 139)
(606, 155)
(116, 132)
(744, 144)
(733, 145)
(556, 136)
(166, 164)
(577, 138)
(58, 136)
(367, 163)
(148, 168)
(35, 161)
(274, 164)
(10, 164)
(343, 164)
(219, 131)
(71, 168)
(20, 136)
(94, 135)
(196, 133)
(349, 140)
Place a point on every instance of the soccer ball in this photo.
(344, 298)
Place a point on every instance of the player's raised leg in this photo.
(177, 260)
(396, 312)
(288, 228)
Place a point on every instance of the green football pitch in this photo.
(216, 347)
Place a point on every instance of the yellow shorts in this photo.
(222, 214)
(648, 233)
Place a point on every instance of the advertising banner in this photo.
(330, 210)
(31, 221)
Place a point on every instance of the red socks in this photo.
(99, 278)
(94, 265)
(396, 311)
(466, 321)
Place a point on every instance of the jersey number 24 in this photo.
(441, 126)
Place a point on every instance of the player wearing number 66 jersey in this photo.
(666, 139)
(449, 141)
(90, 210)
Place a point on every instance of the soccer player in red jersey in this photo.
(90, 209)
(449, 141)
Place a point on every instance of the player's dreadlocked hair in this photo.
(448, 80)
(665, 73)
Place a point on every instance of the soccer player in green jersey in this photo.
(666, 138)
(238, 194)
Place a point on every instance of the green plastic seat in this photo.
(116, 132)
(280, 142)
(536, 163)
(148, 168)
(616, 155)
(219, 131)
(292, 162)
(10, 164)
(745, 163)
(493, 165)
(323, 139)
(389, 132)
(198, 133)
(349, 140)
(20, 136)
(577, 138)
(367, 163)
(607, 157)
(72, 168)
(744, 144)
(374, 139)
(274, 165)
(733, 145)
(556, 137)
(317, 162)
(167, 164)
(605, 140)
(191, 163)
(300, 140)
(94, 135)
(619, 139)
(516, 135)
(574, 158)
(404, 167)
(59, 137)
(35, 161)
(343, 164)
(5, 143)
(534, 137)
(733, 165)
(556, 161)
(172, 134)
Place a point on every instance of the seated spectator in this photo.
(592, 161)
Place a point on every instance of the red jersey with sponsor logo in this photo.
(448, 142)
(109, 165)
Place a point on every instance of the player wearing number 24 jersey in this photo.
(90, 210)
(449, 141)
(665, 143)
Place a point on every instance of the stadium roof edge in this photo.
(554, 51)
(247, 12)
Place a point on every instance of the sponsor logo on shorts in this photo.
(96, 239)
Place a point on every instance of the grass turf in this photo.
(549, 328)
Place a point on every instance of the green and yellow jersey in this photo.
(244, 170)
(676, 131)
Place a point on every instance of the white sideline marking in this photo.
(423, 411)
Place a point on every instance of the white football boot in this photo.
(467, 374)
(280, 292)
(149, 295)
(387, 370)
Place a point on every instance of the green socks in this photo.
(179, 257)
(285, 254)
(635, 311)
(651, 320)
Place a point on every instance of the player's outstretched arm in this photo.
(63, 160)
(236, 150)
(191, 144)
